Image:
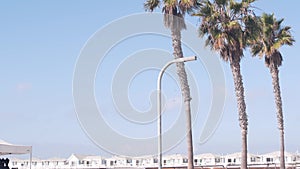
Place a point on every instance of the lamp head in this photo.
(187, 59)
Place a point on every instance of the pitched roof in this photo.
(277, 154)
(78, 156)
(92, 158)
(56, 159)
(239, 154)
(207, 155)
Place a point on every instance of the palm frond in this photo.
(280, 21)
(150, 5)
(170, 3)
(256, 49)
(252, 29)
(235, 7)
(273, 36)
(189, 6)
(185, 5)
(274, 60)
(174, 22)
(248, 1)
(221, 2)
(223, 23)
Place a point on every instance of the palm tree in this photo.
(174, 12)
(272, 37)
(228, 26)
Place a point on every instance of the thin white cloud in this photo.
(23, 86)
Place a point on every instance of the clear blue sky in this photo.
(39, 46)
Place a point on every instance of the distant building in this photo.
(207, 160)
(274, 157)
(174, 160)
(53, 163)
(235, 159)
(76, 161)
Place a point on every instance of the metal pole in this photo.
(30, 157)
(159, 121)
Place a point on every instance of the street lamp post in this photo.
(185, 59)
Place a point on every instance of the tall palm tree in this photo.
(174, 12)
(228, 25)
(272, 37)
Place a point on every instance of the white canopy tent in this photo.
(8, 148)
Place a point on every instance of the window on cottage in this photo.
(111, 163)
(252, 159)
(269, 159)
(155, 160)
(229, 160)
(129, 161)
(217, 160)
(185, 160)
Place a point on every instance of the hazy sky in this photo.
(39, 46)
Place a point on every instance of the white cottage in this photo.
(94, 162)
(148, 161)
(84, 161)
(274, 157)
(208, 159)
(25, 164)
(18, 163)
(235, 159)
(177, 160)
(54, 163)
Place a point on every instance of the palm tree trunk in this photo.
(243, 120)
(185, 89)
(276, 89)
